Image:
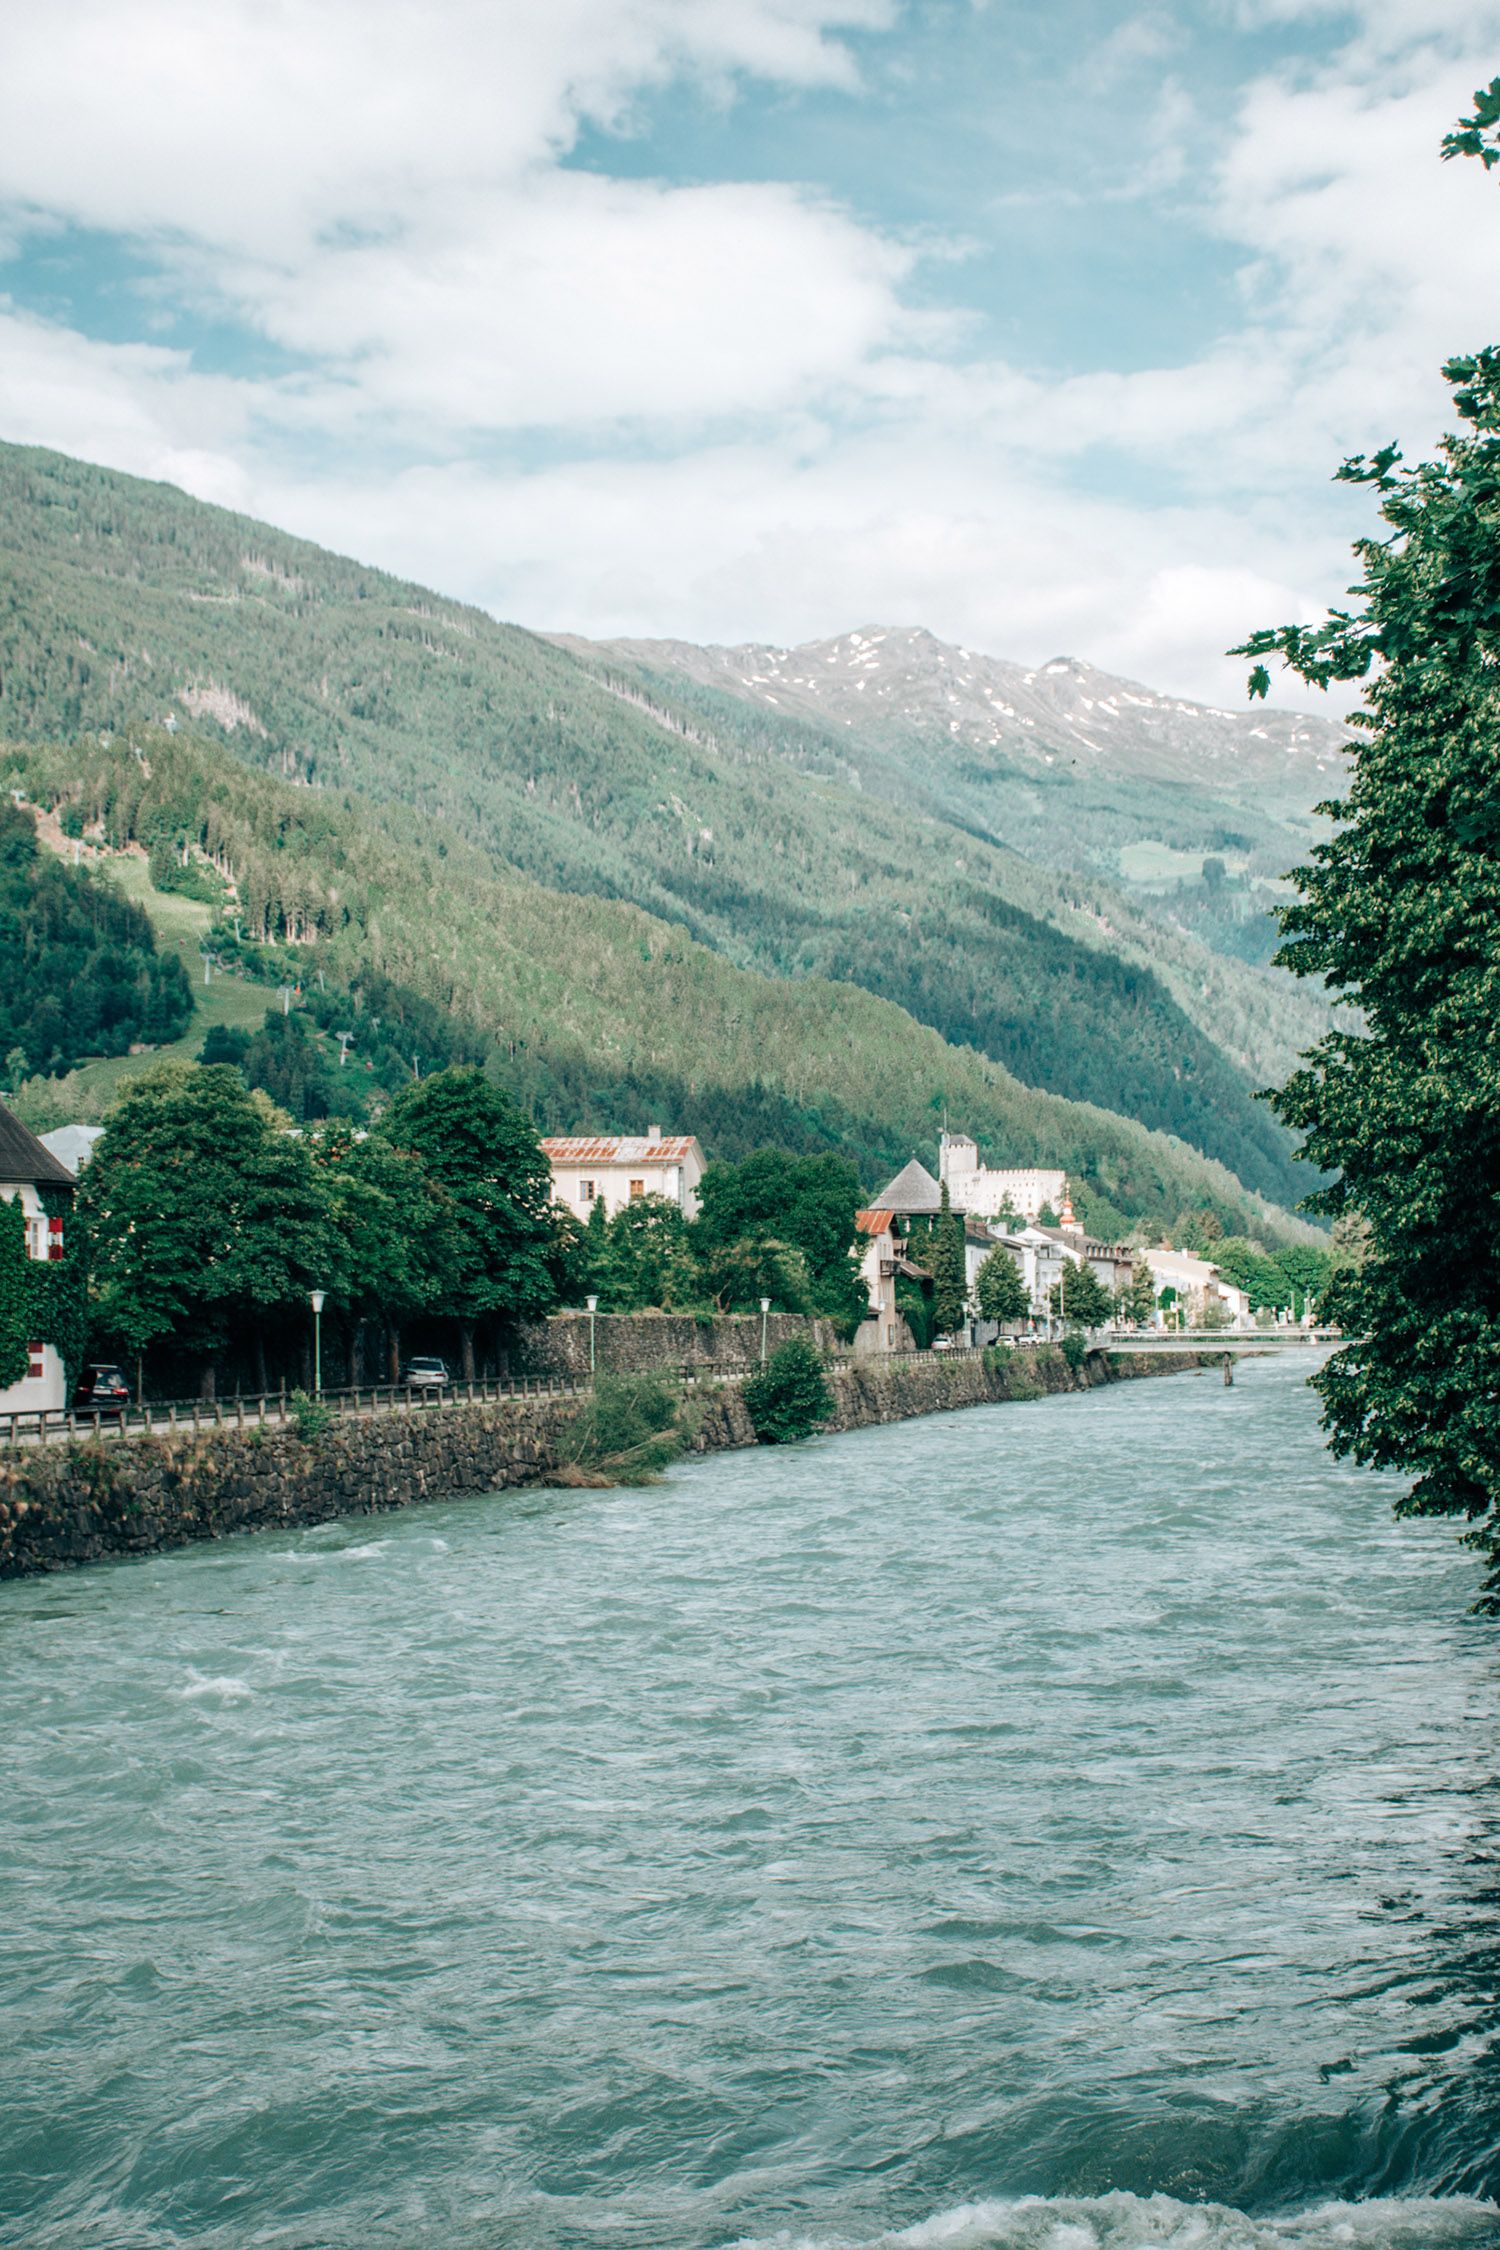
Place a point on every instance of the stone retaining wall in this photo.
(63, 1505)
(633, 1343)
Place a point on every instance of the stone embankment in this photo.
(641, 1343)
(64, 1505)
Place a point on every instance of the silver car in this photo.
(426, 1375)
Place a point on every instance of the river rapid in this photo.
(1066, 1826)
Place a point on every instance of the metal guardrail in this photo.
(273, 1409)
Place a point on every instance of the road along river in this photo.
(1052, 1826)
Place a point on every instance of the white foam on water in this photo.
(224, 1685)
(362, 1554)
(1160, 2222)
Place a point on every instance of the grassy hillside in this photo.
(126, 604)
(597, 1014)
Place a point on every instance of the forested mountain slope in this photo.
(595, 1013)
(124, 603)
(1069, 764)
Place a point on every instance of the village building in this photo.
(1023, 1193)
(1192, 1284)
(912, 1194)
(28, 1173)
(73, 1145)
(1043, 1255)
(620, 1168)
(882, 1258)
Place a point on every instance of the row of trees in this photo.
(208, 1224)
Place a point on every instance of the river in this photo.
(1046, 1826)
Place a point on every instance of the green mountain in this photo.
(594, 1013)
(125, 604)
(1072, 766)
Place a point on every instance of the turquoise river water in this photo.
(1069, 1826)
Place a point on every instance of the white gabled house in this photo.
(26, 1170)
(619, 1168)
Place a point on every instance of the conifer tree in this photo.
(946, 1263)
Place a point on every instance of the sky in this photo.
(1044, 326)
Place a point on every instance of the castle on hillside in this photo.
(975, 1188)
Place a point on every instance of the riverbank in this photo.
(68, 1505)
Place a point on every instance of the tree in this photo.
(807, 1203)
(1000, 1289)
(1136, 1302)
(789, 1398)
(947, 1264)
(741, 1273)
(474, 1144)
(646, 1263)
(1399, 910)
(1081, 1296)
(205, 1214)
(395, 1231)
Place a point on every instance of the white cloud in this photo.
(576, 299)
(767, 443)
(259, 125)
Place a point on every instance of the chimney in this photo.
(653, 1132)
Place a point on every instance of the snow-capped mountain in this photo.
(904, 680)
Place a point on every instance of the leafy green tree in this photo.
(1136, 1302)
(474, 1144)
(588, 1268)
(808, 1204)
(395, 1230)
(1081, 1296)
(789, 1398)
(647, 1264)
(1399, 911)
(741, 1273)
(1000, 1289)
(205, 1216)
(947, 1264)
(15, 1332)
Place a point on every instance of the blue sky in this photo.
(1042, 326)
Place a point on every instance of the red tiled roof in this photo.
(873, 1222)
(619, 1148)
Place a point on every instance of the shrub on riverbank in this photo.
(789, 1398)
(627, 1433)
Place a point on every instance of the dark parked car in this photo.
(426, 1375)
(101, 1389)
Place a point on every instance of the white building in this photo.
(73, 1145)
(882, 1256)
(619, 1168)
(1042, 1256)
(976, 1188)
(1196, 1286)
(25, 1169)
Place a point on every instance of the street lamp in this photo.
(593, 1305)
(319, 1300)
(765, 1307)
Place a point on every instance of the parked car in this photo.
(101, 1389)
(426, 1375)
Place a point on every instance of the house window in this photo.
(36, 1366)
(637, 1190)
(585, 1191)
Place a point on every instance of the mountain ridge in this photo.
(124, 603)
